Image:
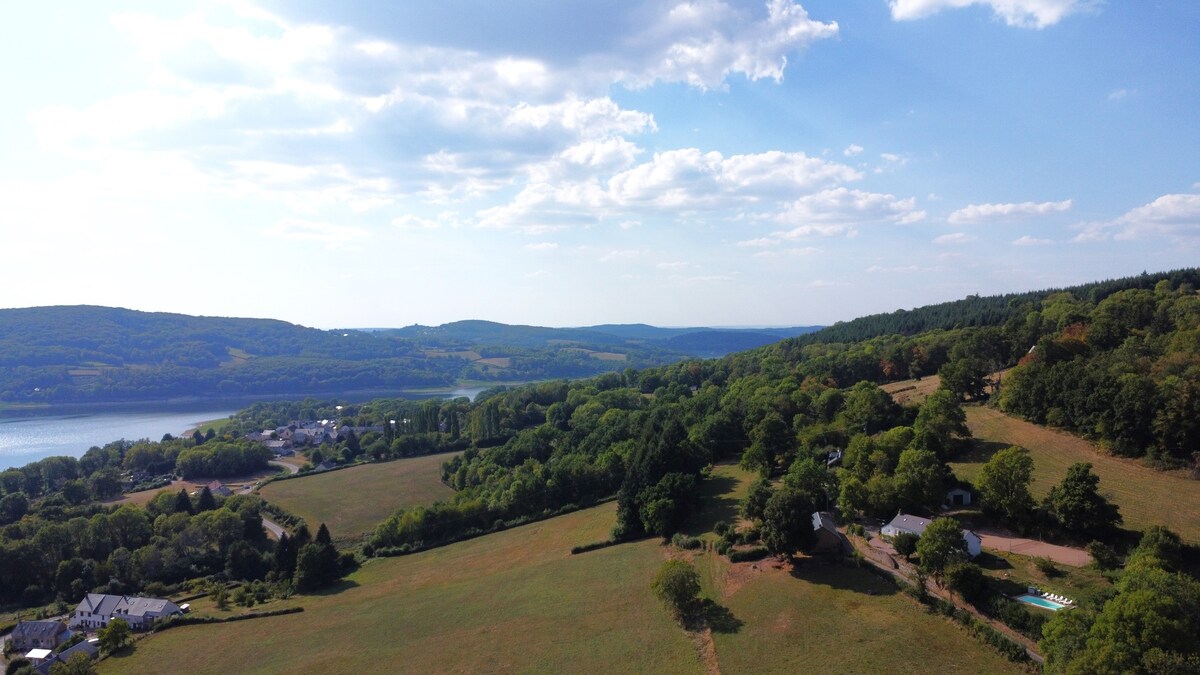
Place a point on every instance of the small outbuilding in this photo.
(829, 540)
(957, 497)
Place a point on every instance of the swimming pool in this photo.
(1044, 603)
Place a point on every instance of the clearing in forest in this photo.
(353, 501)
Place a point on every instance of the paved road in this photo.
(291, 468)
(273, 528)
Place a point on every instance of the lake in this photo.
(27, 436)
(27, 439)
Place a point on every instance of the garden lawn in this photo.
(353, 501)
(515, 601)
(1146, 496)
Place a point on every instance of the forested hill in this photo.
(975, 310)
(87, 354)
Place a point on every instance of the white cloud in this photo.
(979, 213)
(1031, 241)
(702, 43)
(622, 254)
(542, 246)
(790, 252)
(673, 265)
(847, 206)
(953, 238)
(1175, 215)
(1020, 13)
(877, 269)
(1118, 94)
(822, 283)
(853, 150)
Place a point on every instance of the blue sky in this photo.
(553, 163)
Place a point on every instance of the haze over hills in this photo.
(90, 354)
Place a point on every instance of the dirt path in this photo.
(706, 649)
(998, 541)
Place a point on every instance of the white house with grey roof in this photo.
(97, 609)
(904, 523)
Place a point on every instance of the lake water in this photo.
(28, 439)
(29, 436)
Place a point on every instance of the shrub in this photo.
(1046, 566)
(905, 544)
(1103, 556)
(745, 555)
(685, 542)
(677, 584)
(722, 527)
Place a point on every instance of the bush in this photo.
(685, 542)
(746, 555)
(722, 527)
(1103, 555)
(967, 580)
(1046, 566)
(905, 544)
(596, 545)
(677, 584)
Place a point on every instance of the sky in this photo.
(704, 163)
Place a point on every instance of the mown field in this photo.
(1146, 496)
(353, 501)
(517, 601)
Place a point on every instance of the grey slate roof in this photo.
(907, 523)
(38, 630)
(86, 647)
(108, 605)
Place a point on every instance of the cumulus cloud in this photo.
(1031, 241)
(673, 265)
(853, 150)
(703, 42)
(542, 246)
(980, 213)
(953, 238)
(1175, 216)
(1020, 13)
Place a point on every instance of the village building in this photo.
(829, 540)
(218, 489)
(39, 635)
(957, 497)
(90, 647)
(97, 609)
(904, 523)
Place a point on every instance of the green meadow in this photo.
(353, 501)
(518, 601)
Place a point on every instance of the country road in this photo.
(273, 528)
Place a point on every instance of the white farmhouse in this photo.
(916, 525)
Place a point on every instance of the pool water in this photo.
(1044, 603)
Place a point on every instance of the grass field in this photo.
(1146, 496)
(517, 601)
(353, 501)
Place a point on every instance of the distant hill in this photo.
(89, 354)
